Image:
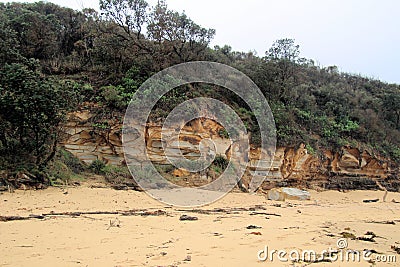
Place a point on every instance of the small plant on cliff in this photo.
(310, 149)
(101, 126)
(223, 133)
(220, 162)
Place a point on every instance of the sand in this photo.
(218, 238)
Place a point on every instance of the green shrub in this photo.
(72, 162)
(116, 174)
(64, 167)
(146, 173)
(59, 173)
(164, 168)
(97, 166)
(223, 133)
(220, 162)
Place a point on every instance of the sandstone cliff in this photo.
(348, 168)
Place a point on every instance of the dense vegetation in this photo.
(54, 59)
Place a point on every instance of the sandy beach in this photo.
(144, 232)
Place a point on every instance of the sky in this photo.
(359, 36)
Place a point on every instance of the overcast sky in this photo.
(358, 36)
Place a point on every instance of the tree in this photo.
(391, 106)
(9, 45)
(171, 37)
(48, 32)
(131, 15)
(32, 109)
(36, 33)
(281, 60)
(177, 31)
(284, 50)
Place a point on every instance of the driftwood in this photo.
(224, 211)
(370, 200)
(79, 213)
(382, 222)
(188, 218)
(253, 227)
(265, 213)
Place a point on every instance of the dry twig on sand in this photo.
(79, 213)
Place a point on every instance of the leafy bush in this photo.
(220, 162)
(223, 133)
(114, 96)
(116, 174)
(146, 174)
(65, 168)
(72, 162)
(163, 169)
(59, 173)
(97, 166)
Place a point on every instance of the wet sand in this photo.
(218, 238)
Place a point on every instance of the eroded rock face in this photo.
(291, 166)
(89, 141)
(181, 172)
